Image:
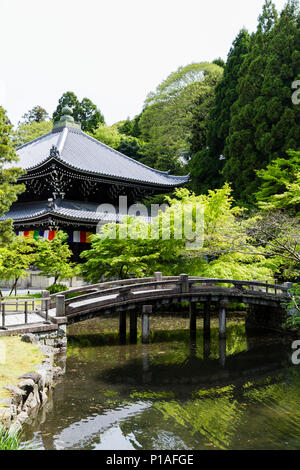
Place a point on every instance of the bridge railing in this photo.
(118, 291)
(11, 306)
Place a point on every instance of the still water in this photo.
(174, 393)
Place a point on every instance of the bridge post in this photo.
(222, 319)
(157, 277)
(193, 320)
(206, 320)
(184, 282)
(45, 294)
(122, 327)
(133, 327)
(60, 305)
(147, 310)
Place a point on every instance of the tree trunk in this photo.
(14, 287)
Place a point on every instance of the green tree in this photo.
(108, 135)
(280, 188)
(165, 123)
(9, 175)
(208, 142)
(15, 259)
(264, 121)
(53, 258)
(30, 131)
(126, 144)
(130, 249)
(90, 116)
(85, 112)
(132, 147)
(36, 114)
(114, 257)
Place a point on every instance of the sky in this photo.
(112, 51)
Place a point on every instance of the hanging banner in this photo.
(75, 236)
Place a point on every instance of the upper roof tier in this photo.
(68, 144)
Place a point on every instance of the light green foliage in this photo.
(114, 138)
(8, 176)
(112, 256)
(281, 184)
(30, 131)
(108, 135)
(15, 259)
(166, 121)
(53, 258)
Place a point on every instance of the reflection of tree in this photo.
(216, 419)
(275, 409)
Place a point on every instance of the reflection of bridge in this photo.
(142, 294)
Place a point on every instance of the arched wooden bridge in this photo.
(134, 295)
(142, 294)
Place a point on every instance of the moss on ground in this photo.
(16, 359)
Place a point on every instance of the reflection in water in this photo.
(175, 393)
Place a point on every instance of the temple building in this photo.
(69, 174)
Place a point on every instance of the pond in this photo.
(174, 393)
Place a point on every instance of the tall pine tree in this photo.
(264, 121)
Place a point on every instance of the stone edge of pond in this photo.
(31, 393)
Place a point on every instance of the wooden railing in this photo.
(121, 290)
(23, 306)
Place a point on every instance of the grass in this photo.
(9, 441)
(16, 358)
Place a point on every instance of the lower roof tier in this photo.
(59, 214)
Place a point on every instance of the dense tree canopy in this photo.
(166, 122)
(264, 121)
(208, 139)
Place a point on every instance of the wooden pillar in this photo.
(222, 320)
(60, 305)
(122, 327)
(206, 320)
(184, 283)
(193, 320)
(45, 294)
(158, 277)
(147, 310)
(133, 327)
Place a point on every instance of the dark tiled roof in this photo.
(67, 209)
(84, 153)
